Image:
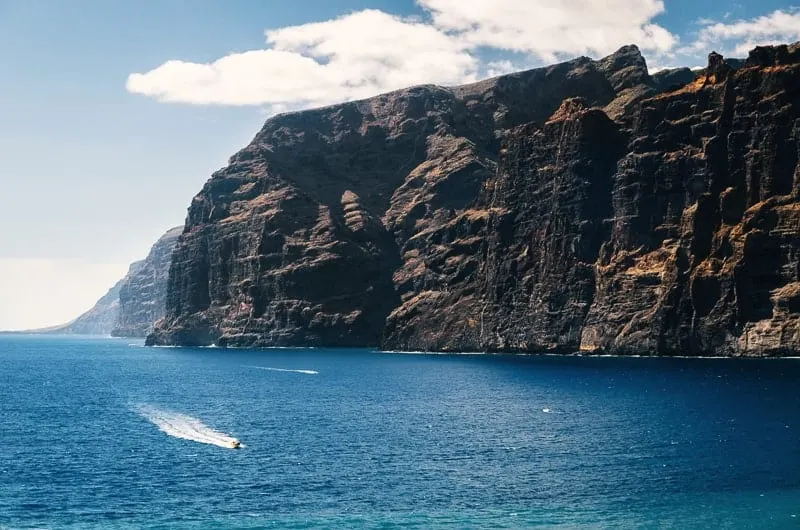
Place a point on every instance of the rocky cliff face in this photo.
(142, 293)
(586, 206)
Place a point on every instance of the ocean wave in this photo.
(270, 369)
(446, 353)
(186, 427)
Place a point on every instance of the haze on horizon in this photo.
(115, 114)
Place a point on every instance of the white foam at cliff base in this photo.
(269, 369)
(445, 353)
(185, 427)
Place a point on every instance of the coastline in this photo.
(377, 349)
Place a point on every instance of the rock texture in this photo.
(587, 206)
(143, 292)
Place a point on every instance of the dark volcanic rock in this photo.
(693, 265)
(308, 236)
(585, 206)
(143, 292)
(556, 201)
(673, 78)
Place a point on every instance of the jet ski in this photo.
(236, 444)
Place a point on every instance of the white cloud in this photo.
(369, 52)
(497, 68)
(37, 293)
(355, 56)
(550, 29)
(740, 36)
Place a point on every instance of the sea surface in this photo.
(103, 433)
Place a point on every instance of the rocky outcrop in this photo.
(586, 206)
(142, 293)
(673, 79)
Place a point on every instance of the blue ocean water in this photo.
(101, 433)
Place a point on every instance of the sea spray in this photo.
(185, 427)
(269, 369)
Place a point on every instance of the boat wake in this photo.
(307, 372)
(187, 428)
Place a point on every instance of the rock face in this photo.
(143, 292)
(587, 206)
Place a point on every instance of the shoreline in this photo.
(376, 349)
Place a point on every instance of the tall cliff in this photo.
(143, 292)
(585, 206)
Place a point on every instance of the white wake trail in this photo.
(186, 427)
(307, 372)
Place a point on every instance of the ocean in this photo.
(105, 433)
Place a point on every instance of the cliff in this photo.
(134, 303)
(142, 293)
(587, 206)
(100, 319)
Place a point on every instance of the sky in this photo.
(114, 114)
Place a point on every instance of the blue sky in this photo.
(115, 113)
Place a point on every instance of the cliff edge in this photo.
(586, 206)
(143, 292)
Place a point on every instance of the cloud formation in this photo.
(740, 36)
(354, 56)
(369, 52)
(552, 29)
